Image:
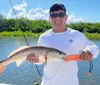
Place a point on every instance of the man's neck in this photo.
(56, 30)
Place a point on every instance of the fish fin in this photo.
(18, 62)
(39, 63)
(1, 69)
(46, 60)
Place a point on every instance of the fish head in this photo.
(61, 53)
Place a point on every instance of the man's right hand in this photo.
(32, 58)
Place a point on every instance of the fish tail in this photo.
(1, 68)
(74, 57)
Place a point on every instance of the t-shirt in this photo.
(70, 42)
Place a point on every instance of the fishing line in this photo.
(24, 35)
(20, 27)
(91, 66)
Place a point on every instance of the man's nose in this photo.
(57, 17)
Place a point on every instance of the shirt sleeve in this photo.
(89, 45)
(41, 41)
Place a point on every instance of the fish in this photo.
(45, 54)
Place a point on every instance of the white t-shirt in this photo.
(70, 42)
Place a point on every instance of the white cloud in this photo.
(73, 19)
(37, 14)
(20, 10)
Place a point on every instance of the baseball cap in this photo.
(56, 7)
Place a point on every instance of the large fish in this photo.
(45, 54)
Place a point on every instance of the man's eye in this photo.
(61, 15)
(53, 15)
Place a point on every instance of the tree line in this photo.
(38, 26)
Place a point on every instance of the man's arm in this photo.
(90, 50)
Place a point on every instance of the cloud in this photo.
(37, 14)
(73, 19)
(20, 10)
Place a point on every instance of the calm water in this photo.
(27, 73)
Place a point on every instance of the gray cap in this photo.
(56, 7)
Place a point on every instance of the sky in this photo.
(77, 10)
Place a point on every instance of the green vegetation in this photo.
(19, 33)
(15, 27)
(92, 35)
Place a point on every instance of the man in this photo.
(67, 40)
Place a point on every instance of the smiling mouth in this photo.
(57, 22)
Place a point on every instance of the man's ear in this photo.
(49, 19)
(66, 17)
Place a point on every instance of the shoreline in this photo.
(36, 35)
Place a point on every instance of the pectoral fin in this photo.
(18, 62)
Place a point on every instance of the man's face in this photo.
(58, 18)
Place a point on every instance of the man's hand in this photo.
(86, 55)
(32, 58)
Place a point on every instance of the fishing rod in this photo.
(35, 83)
(17, 19)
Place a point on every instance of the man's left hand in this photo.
(86, 55)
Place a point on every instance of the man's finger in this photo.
(82, 56)
(89, 57)
(86, 56)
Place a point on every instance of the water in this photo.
(27, 73)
